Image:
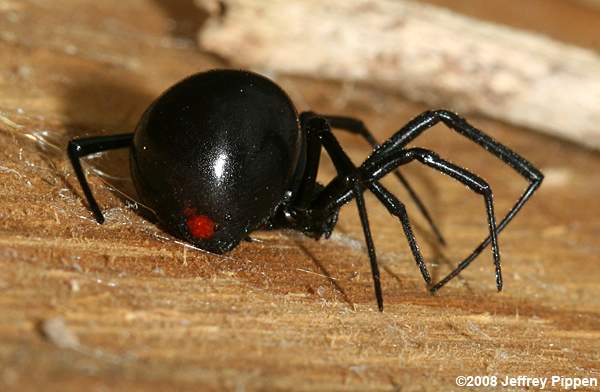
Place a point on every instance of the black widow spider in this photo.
(224, 152)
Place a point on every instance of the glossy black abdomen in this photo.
(214, 155)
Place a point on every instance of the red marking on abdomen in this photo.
(200, 226)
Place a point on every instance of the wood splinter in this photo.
(424, 52)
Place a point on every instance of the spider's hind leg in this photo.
(82, 147)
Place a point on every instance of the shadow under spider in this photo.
(327, 274)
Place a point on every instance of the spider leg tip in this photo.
(379, 299)
(499, 281)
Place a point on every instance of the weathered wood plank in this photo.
(151, 314)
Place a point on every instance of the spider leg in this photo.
(341, 190)
(346, 169)
(78, 148)
(358, 127)
(397, 208)
(431, 159)
(427, 120)
(393, 205)
(313, 157)
(364, 220)
(336, 194)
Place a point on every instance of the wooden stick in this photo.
(425, 52)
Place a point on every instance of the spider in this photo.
(224, 152)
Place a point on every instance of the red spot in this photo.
(200, 226)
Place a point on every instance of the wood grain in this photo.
(143, 312)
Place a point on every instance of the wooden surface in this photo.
(123, 306)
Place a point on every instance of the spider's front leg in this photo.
(426, 121)
(387, 161)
